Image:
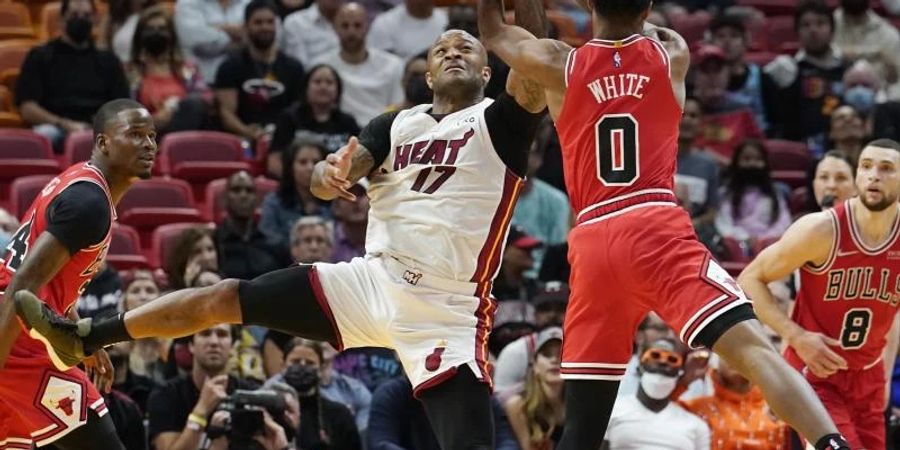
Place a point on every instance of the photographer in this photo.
(180, 410)
(256, 420)
(324, 424)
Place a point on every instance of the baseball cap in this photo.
(553, 292)
(546, 336)
(707, 52)
(520, 239)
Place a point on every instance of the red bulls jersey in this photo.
(619, 122)
(853, 297)
(63, 289)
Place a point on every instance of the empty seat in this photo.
(23, 152)
(771, 7)
(692, 26)
(793, 178)
(781, 34)
(164, 238)
(23, 191)
(125, 249)
(788, 155)
(200, 157)
(78, 147)
(159, 201)
(214, 208)
(13, 52)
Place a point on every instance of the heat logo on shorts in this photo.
(411, 277)
(433, 361)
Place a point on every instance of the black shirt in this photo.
(511, 128)
(169, 405)
(102, 295)
(335, 131)
(79, 216)
(264, 90)
(69, 82)
(246, 257)
(337, 426)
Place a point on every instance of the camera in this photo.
(247, 419)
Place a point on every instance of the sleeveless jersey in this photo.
(63, 290)
(853, 297)
(618, 126)
(442, 200)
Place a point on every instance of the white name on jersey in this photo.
(613, 86)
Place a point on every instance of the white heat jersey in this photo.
(442, 200)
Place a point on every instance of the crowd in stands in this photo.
(783, 95)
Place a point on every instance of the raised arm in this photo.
(543, 60)
(809, 240)
(530, 15)
(679, 56)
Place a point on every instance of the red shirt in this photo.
(619, 122)
(853, 297)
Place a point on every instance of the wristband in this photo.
(194, 419)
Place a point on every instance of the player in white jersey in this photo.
(443, 179)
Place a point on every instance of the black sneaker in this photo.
(61, 336)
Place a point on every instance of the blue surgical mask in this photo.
(862, 98)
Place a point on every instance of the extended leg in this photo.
(98, 433)
(460, 412)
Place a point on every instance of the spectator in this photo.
(288, 7)
(293, 199)
(860, 33)
(117, 29)
(310, 33)
(209, 29)
(193, 253)
(255, 83)
(145, 355)
(651, 329)
(179, 411)
(864, 91)
(311, 240)
(697, 177)
(345, 390)
(242, 248)
(805, 88)
(172, 89)
(848, 131)
(102, 295)
(318, 111)
(136, 387)
(351, 219)
(127, 417)
(415, 88)
(833, 180)
(408, 29)
(511, 283)
(745, 79)
(537, 415)
(324, 423)
(63, 82)
(737, 414)
(512, 363)
(371, 77)
(542, 211)
(398, 421)
(753, 208)
(650, 419)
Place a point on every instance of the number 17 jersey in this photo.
(619, 122)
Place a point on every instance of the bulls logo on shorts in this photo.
(64, 399)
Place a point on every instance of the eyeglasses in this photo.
(663, 357)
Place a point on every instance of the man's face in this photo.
(457, 61)
(129, 143)
(351, 26)
(212, 347)
(846, 124)
(304, 356)
(690, 121)
(261, 28)
(241, 196)
(814, 33)
(877, 177)
(517, 260)
(662, 357)
(311, 244)
(353, 212)
(732, 41)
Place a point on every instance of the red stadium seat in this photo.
(799, 200)
(214, 208)
(125, 249)
(692, 26)
(735, 250)
(760, 58)
(781, 35)
(151, 203)
(164, 239)
(792, 178)
(23, 152)
(78, 147)
(12, 53)
(771, 7)
(23, 191)
(200, 157)
(788, 155)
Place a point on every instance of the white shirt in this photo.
(308, 35)
(634, 427)
(121, 41)
(195, 22)
(369, 87)
(404, 35)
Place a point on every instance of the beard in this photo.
(262, 42)
(463, 88)
(880, 205)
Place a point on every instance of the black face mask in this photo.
(79, 29)
(305, 379)
(417, 91)
(754, 175)
(155, 42)
(855, 7)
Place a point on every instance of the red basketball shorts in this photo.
(625, 264)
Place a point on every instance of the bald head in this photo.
(457, 66)
(351, 25)
(451, 36)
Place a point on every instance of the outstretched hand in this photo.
(338, 168)
(99, 369)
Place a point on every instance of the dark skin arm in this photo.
(530, 15)
(46, 257)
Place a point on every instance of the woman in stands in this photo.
(194, 252)
(537, 414)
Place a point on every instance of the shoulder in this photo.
(289, 62)
(384, 57)
(514, 404)
(815, 226)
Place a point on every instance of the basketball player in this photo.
(617, 105)
(59, 247)
(443, 182)
(838, 334)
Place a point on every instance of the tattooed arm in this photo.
(530, 15)
(340, 170)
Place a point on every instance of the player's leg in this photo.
(866, 389)
(98, 433)
(460, 412)
(589, 404)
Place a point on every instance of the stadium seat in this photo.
(23, 191)
(799, 200)
(6, 100)
(12, 54)
(125, 249)
(10, 120)
(78, 147)
(8, 78)
(781, 35)
(771, 7)
(214, 208)
(735, 250)
(200, 157)
(760, 58)
(792, 178)
(158, 201)
(164, 239)
(692, 26)
(788, 155)
(15, 21)
(23, 152)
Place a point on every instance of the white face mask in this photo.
(658, 386)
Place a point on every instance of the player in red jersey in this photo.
(849, 261)
(59, 247)
(617, 103)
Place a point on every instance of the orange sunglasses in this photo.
(663, 356)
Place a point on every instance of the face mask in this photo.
(862, 98)
(417, 91)
(753, 175)
(155, 42)
(79, 29)
(658, 386)
(305, 379)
